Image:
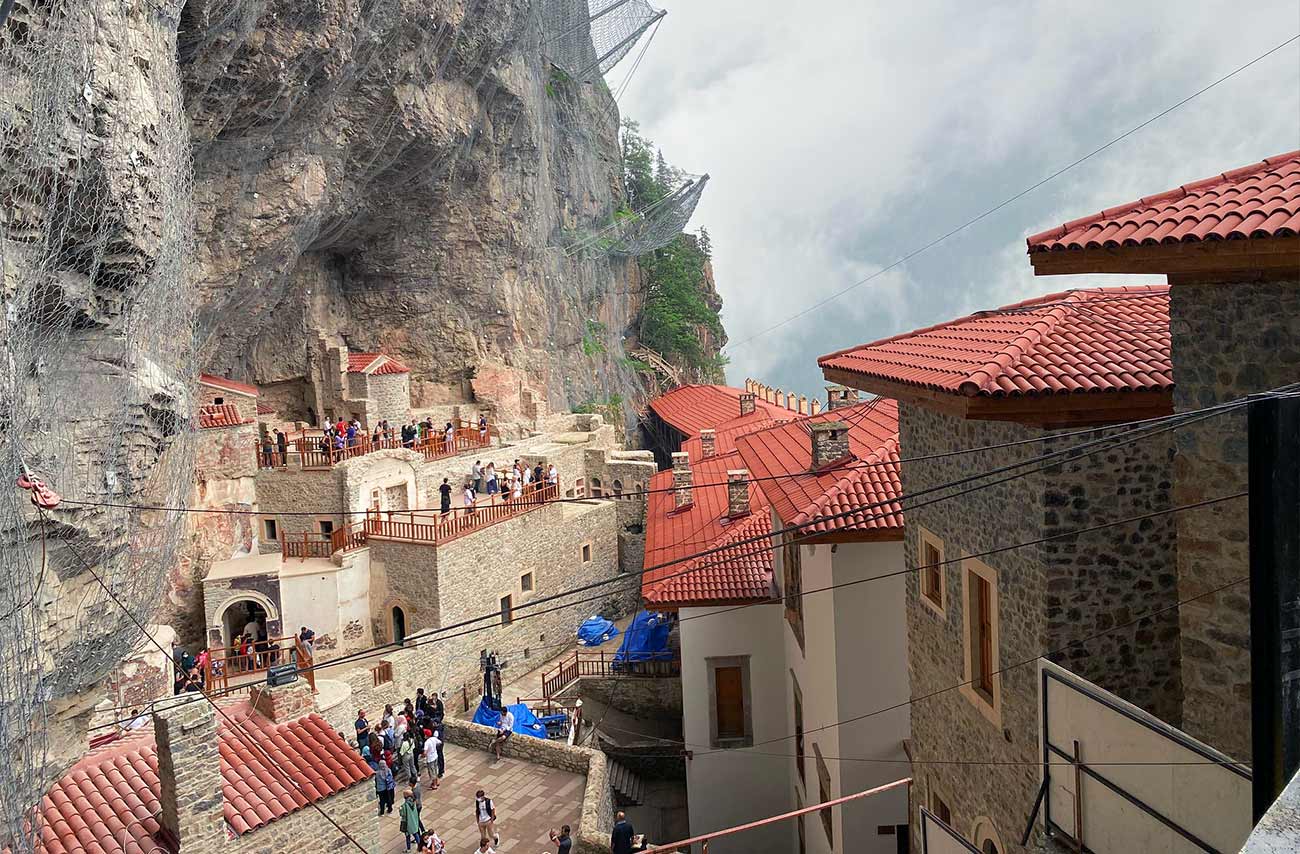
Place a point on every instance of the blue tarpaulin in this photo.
(596, 631)
(525, 721)
(646, 639)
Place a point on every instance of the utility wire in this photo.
(247, 736)
(973, 220)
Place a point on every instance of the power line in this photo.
(248, 738)
(972, 221)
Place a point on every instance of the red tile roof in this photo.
(225, 384)
(741, 573)
(1257, 201)
(725, 434)
(691, 408)
(780, 460)
(1090, 340)
(375, 363)
(265, 409)
(116, 789)
(220, 415)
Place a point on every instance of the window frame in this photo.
(800, 744)
(531, 586)
(792, 587)
(507, 603)
(825, 793)
(585, 552)
(712, 665)
(270, 529)
(937, 603)
(978, 647)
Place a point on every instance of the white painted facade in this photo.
(853, 661)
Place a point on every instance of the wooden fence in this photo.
(316, 451)
(578, 664)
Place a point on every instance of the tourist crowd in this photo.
(344, 434)
(512, 481)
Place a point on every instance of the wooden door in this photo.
(729, 690)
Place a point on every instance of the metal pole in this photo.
(1078, 797)
(1274, 478)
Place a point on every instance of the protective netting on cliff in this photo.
(631, 233)
(586, 38)
(96, 360)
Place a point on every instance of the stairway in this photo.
(628, 788)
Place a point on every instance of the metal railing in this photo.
(579, 664)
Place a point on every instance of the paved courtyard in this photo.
(530, 800)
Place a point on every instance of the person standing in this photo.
(449, 436)
(563, 843)
(408, 818)
(552, 475)
(476, 472)
(444, 497)
(385, 785)
(491, 473)
(485, 814)
(282, 447)
(432, 747)
(620, 838)
(441, 740)
(470, 499)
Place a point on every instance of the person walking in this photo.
(476, 473)
(491, 473)
(444, 497)
(408, 818)
(485, 848)
(620, 838)
(385, 785)
(485, 815)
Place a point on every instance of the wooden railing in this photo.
(306, 544)
(431, 526)
(316, 451)
(225, 664)
(348, 537)
(579, 664)
(382, 673)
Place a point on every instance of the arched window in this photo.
(986, 837)
(596, 489)
(399, 626)
(618, 488)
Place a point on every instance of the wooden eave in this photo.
(865, 535)
(1261, 257)
(1046, 411)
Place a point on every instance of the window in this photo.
(618, 488)
(270, 530)
(792, 564)
(824, 790)
(980, 618)
(218, 400)
(586, 552)
(939, 808)
(986, 837)
(579, 487)
(798, 729)
(730, 723)
(526, 582)
(507, 605)
(597, 490)
(931, 570)
(326, 526)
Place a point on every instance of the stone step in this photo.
(628, 786)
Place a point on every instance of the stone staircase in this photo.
(628, 788)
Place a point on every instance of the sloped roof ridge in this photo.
(843, 488)
(1231, 177)
(730, 539)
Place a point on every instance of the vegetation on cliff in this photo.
(679, 318)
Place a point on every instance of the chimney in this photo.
(746, 402)
(682, 479)
(283, 703)
(189, 775)
(830, 442)
(738, 493)
(838, 395)
(709, 442)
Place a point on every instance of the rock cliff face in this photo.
(398, 175)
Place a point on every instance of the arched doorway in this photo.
(239, 617)
(399, 626)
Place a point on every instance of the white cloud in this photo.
(841, 135)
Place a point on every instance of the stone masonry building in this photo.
(1229, 247)
(1014, 379)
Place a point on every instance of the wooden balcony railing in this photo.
(578, 664)
(228, 665)
(306, 544)
(382, 673)
(316, 451)
(432, 526)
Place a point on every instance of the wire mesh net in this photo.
(586, 38)
(631, 233)
(96, 359)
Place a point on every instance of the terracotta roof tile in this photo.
(225, 384)
(1257, 201)
(375, 363)
(1089, 340)
(115, 789)
(691, 408)
(780, 460)
(741, 573)
(726, 433)
(220, 415)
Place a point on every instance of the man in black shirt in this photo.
(620, 839)
(563, 843)
(444, 497)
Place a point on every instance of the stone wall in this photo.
(1228, 340)
(404, 575)
(389, 399)
(1047, 596)
(645, 697)
(281, 492)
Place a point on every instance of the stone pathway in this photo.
(530, 800)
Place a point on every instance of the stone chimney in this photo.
(189, 775)
(746, 402)
(830, 442)
(682, 479)
(838, 395)
(709, 442)
(283, 703)
(738, 493)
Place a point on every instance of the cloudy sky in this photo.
(843, 134)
